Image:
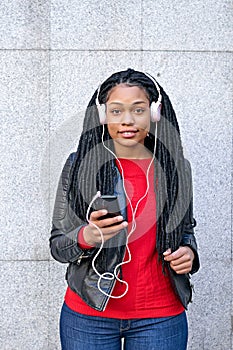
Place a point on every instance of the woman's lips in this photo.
(128, 133)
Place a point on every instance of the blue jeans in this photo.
(81, 332)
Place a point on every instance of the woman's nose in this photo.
(127, 118)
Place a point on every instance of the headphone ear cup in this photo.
(155, 111)
(102, 114)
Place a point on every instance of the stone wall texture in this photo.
(53, 54)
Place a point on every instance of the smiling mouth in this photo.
(128, 133)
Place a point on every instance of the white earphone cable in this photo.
(114, 275)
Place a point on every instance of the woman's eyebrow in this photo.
(122, 104)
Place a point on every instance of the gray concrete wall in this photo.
(53, 54)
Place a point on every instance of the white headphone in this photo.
(155, 107)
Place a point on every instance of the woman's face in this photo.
(128, 119)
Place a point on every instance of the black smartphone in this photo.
(110, 203)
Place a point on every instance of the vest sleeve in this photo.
(66, 225)
(188, 237)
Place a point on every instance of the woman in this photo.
(128, 275)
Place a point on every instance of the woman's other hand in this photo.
(181, 260)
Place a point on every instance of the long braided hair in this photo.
(93, 168)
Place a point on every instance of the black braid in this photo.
(93, 168)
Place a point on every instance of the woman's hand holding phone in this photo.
(107, 218)
(109, 227)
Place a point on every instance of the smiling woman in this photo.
(128, 275)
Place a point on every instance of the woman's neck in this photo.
(139, 152)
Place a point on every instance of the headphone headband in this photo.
(156, 85)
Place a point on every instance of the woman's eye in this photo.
(115, 111)
(139, 110)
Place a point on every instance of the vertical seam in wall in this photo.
(141, 35)
(231, 215)
(49, 161)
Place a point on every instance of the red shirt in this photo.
(150, 293)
